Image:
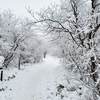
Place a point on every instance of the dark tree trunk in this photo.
(93, 69)
(19, 62)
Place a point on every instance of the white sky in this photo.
(18, 6)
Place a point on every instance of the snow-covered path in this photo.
(33, 83)
(39, 82)
(36, 82)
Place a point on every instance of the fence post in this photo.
(1, 75)
(19, 61)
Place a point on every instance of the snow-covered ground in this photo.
(37, 82)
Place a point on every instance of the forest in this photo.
(71, 29)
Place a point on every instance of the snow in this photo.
(1, 60)
(36, 82)
(30, 82)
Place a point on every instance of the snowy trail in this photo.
(33, 82)
(37, 81)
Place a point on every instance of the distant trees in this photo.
(17, 37)
(74, 27)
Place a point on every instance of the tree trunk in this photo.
(9, 56)
(93, 69)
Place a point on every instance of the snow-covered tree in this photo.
(17, 37)
(74, 27)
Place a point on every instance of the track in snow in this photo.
(34, 85)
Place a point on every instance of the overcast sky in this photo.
(18, 6)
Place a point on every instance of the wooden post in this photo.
(19, 62)
(1, 75)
